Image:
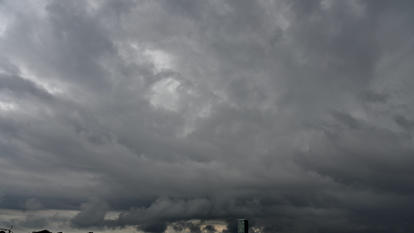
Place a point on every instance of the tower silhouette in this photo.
(242, 226)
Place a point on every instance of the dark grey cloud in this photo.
(91, 214)
(295, 114)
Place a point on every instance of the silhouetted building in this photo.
(42, 231)
(242, 226)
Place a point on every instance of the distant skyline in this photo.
(186, 115)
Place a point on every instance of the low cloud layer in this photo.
(172, 113)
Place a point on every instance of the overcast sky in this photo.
(184, 115)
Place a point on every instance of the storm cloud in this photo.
(185, 115)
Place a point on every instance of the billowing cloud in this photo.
(174, 114)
